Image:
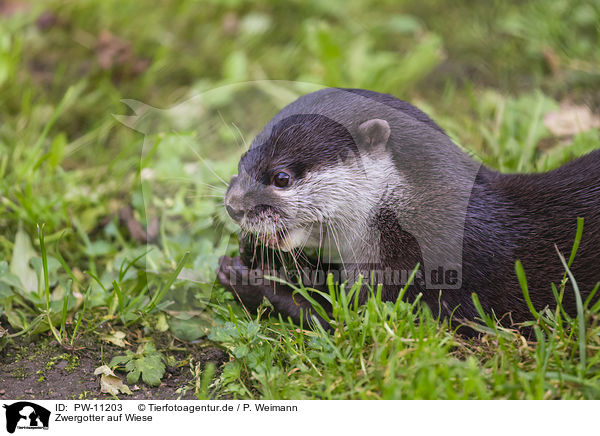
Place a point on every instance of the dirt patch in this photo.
(42, 369)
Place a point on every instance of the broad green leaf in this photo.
(22, 253)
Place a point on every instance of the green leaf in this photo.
(151, 375)
(241, 350)
(133, 376)
(119, 360)
(57, 150)
(404, 24)
(98, 248)
(192, 328)
(22, 252)
(53, 267)
(8, 278)
(147, 362)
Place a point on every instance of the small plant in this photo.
(147, 362)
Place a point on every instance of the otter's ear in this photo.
(374, 133)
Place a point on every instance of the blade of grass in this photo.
(47, 282)
(162, 292)
(578, 235)
(580, 315)
(63, 319)
(523, 282)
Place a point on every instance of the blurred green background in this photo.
(464, 62)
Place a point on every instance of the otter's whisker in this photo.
(241, 136)
(231, 131)
(287, 235)
(335, 239)
(320, 244)
(201, 159)
(196, 196)
(188, 179)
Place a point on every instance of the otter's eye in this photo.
(281, 179)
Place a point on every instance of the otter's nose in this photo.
(235, 214)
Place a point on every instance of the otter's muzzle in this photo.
(233, 201)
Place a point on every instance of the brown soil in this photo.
(42, 369)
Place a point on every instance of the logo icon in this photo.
(26, 415)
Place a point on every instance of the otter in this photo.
(368, 182)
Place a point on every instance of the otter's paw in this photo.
(236, 277)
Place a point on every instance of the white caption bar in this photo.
(23, 417)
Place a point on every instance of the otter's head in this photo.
(303, 177)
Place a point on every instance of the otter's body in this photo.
(523, 217)
(372, 183)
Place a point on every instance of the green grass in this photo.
(487, 72)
